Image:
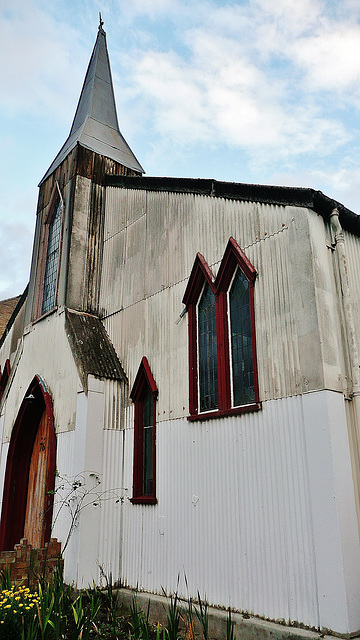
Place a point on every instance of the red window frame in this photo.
(233, 257)
(144, 381)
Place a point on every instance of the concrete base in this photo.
(245, 628)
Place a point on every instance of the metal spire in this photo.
(95, 124)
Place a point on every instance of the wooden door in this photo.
(37, 497)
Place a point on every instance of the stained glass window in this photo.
(147, 472)
(222, 339)
(241, 341)
(208, 370)
(52, 258)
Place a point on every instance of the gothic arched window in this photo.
(143, 395)
(222, 350)
(207, 349)
(52, 256)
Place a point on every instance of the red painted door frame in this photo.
(36, 401)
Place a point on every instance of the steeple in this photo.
(95, 124)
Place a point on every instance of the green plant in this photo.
(139, 622)
(203, 616)
(110, 599)
(188, 621)
(44, 607)
(92, 610)
(230, 627)
(79, 617)
(18, 613)
(62, 607)
(173, 616)
(5, 579)
(160, 632)
(85, 610)
(30, 630)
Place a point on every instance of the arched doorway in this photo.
(30, 472)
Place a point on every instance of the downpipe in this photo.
(353, 384)
(353, 353)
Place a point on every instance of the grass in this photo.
(53, 611)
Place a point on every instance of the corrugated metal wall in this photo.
(114, 493)
(352, 245)
(233, 512)
(150, 246)
(232, 515)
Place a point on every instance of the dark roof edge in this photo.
(14, 314)
(92, 349)
(292, 196)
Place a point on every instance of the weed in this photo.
(203, 616)
(5, 579)
(230, 627)
(188, 622)
(173, 617)
(44, 605)
(110, 600)
(139, 622)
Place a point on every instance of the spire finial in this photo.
(101, 22)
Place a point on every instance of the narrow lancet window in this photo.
(208, 370)
(148, 444)
(144, 394)
(52, 258)
(241, 341)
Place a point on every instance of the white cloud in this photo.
(331, 57)
(43, 61)
(342, 183)
(221, 95)
(270, 82)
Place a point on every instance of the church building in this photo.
(180, 383)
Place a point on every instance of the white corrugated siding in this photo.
(233, 512)
(61, 514)
(114, 401)
(232, 516)
(352, 247)
(353, 258)
(147, 262)
(114, 492)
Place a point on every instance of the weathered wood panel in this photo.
(36, 501)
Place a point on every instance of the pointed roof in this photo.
(95, 124)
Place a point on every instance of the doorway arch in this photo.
(30, 471)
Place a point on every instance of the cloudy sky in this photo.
(258, 91)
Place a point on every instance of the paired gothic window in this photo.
(222, 350)
(144, 394)
(52, 233)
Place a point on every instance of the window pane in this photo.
(208, 373)
(52, 259)
(241, 341)
(147, 481)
